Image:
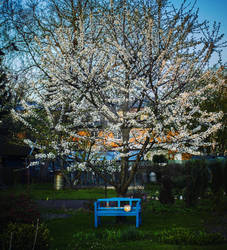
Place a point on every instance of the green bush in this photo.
(22, 237)
(89, 240)
(184, 236)
(177, 208)
(96, 240)
(131, 233)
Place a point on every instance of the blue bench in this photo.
(117, 207)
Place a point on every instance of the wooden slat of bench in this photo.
(117, 213)
(113, 208)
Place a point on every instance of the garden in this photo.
(90, 93)
(195, 218)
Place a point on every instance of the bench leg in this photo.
(96, 221)
(99, 220)
(140, 219)
(137, 220)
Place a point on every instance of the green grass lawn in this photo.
(47, 191)
(62, 230)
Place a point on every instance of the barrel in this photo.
(58, 181)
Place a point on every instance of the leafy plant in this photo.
(25, 236)
(179, 235)
(159, 208)
(95, 240)
(82, 240)
(131, 233)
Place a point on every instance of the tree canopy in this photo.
(129, 69)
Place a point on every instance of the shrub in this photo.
(131, 233)
(86, 241)
(111, 235)
(19, 209)
(186, 236)
(96, 240)
(23, 237)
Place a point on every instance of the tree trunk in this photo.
(121, 193)
(123, 186)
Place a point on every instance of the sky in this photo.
(213, 10)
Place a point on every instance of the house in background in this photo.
(12, 157)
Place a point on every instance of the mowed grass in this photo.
(62, 230)
(47, 192)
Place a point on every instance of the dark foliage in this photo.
(159, 159)
(225, 177)
(197, 178)
(217, 180)
(19, 209)
(166, 195)
(24, 236)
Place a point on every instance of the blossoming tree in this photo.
(53, 136)
(132, 75)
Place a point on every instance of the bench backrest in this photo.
(118, 202)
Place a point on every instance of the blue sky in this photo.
(213, 10)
